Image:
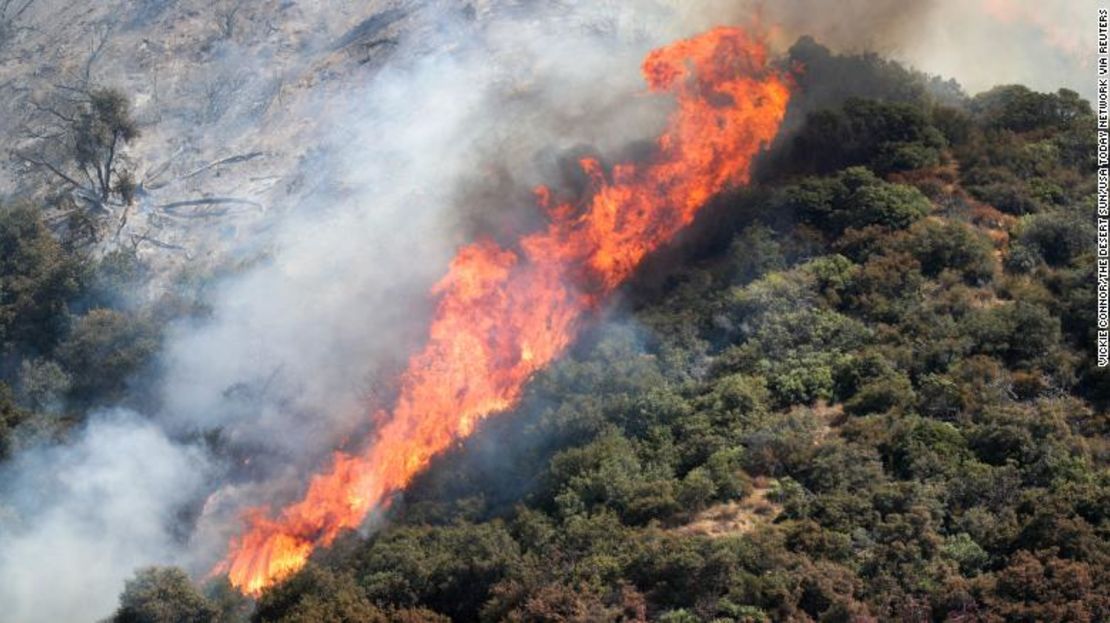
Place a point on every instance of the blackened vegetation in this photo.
(363, 40)
(870, 396)
(367, 30)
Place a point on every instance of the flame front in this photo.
(502, 314)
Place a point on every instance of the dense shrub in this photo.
(38, 279)
(163, 595)
(848, 412)
(855, 198)
(104, 349)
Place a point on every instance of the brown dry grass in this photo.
(735, 517)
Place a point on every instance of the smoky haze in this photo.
(89, 512)
(385, 142)
(1043, 44)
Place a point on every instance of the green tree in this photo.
(102, 352)
(886, 136)
(1020, 332)
(607, 472)
(754, 253)
(696, 490)
(162, 595)
(1054, 238)
(450, 569)
(855, 198)
(38, 279)
(316, 594)
(43, 385)
(940, 246)
(11, 416)
(1017, 108)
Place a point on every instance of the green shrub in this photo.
(1056, 238)
(854, 198)
(162, 595)
(38, 280)
(103, 351)
(940, 246)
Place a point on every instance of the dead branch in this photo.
(136, 239)
(42, 162)
(96, 47)
(171, 208)
(232, 160)
(158, 171)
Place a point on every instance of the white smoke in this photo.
(442, 145)
(78, 519)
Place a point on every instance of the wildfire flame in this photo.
(504, 313)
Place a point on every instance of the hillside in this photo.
(859, 388)
(862, 390)
(226, 98)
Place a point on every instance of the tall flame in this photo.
(504, 313)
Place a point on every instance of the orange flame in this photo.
(503, 313)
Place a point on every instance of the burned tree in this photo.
(80, 140)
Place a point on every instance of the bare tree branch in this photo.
(51, 110)
(137, 238)
(96, 47)
(49, 166)
(171, 208)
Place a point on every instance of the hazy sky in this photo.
(1044, 44)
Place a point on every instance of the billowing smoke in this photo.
(88, 513)
(437, 148)
(380, 138)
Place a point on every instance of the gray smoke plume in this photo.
(88, 513)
